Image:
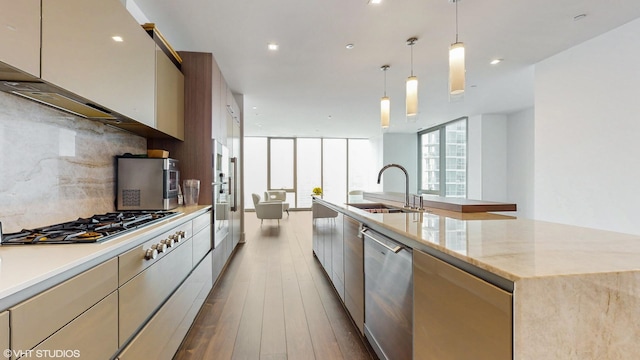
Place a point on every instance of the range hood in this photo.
(18, 83)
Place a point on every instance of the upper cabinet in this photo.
(81, 52)
(169, 97)
(19, 38)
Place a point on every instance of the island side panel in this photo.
(578, 317)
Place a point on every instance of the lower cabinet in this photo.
(93, 335)
(337, 254)
(4, 330)
(136, 302)
(354, 271)
(162, 335)
(457, 315)
(143, 294)
(324, 223)
(34, 320)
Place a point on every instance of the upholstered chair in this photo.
(267, 210)
(277, 195)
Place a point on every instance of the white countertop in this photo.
(26, 270)
(510, 247)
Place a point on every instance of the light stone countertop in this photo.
(510, 247)
(26, 270)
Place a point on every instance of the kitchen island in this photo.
(575, 292)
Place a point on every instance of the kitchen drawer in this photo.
(140, 297)
(133, 261)
(201, 244)
(4, 330)
(162, 335)
(201, 222)
(92, 336)
(37, 318)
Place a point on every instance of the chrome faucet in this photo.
(406, 179)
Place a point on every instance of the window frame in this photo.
(442, 157)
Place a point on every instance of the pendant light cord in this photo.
(456, 1)
(412, 59)
(385, 82)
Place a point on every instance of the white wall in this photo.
(520, 161)
(474, 157)
(401, 149)
(587, 133)
(494, 157)
(487, 163)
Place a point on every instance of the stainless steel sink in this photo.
(381, 208)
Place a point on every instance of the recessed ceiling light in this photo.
(272, 46)
(349, 46)
(255, 107)
(117, 38)
(375, 2)
(496, 61)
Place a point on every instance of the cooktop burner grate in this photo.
(96, 228)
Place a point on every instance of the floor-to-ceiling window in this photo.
(282, 171)
(309, 168)
(298, 165)
(362, 170)
(443, 159)
(334, 169)
(254, 165)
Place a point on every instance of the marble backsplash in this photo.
(55, 166)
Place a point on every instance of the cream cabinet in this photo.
(202, 237)
(81, 54)
(162, 335)
(142, 295)
(92, 336)
(457, 315)
(37, 318)
(4, 330)
(169, 97)
(19, 38)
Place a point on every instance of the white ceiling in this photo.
(314, 86)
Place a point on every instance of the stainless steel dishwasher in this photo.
(388, 319)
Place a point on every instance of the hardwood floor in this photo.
(274, 302)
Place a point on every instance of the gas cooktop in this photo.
(97, 228)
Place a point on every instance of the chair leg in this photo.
(278, 222)
(261, 221)
(287, 212)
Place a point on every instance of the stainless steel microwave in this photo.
(147, 183)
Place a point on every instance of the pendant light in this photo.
(412, 88)
(385, 103)
(456, 63)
